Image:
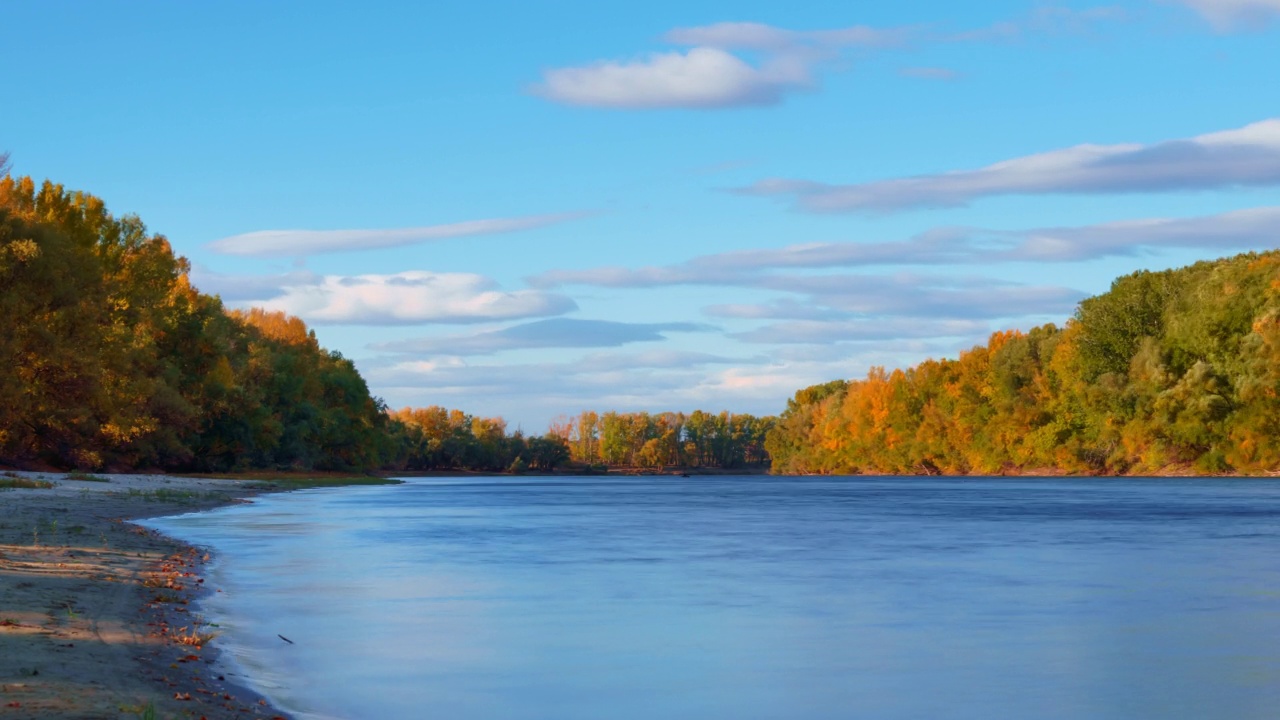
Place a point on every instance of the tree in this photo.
(1171, 368)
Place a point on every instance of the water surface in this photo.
(755, 597)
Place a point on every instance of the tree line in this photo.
(669, 439)
(437, 438)
(1177, 370)
(111, 359)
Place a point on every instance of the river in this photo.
(753, 597)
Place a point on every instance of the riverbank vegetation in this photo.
(111, 359)
(437, 438)
(671, 439)
(1174, 370)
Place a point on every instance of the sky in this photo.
(528, 209)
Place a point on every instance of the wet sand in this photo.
(99, 617)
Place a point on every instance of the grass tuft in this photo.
(11, 483)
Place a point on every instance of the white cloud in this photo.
(1247, 156)
(293, 243)
(701, 78)
(740, 64)
(414, 297)
(709, 74)
(1226, 15)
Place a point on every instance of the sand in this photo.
(99, 618)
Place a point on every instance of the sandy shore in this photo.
(98, 616)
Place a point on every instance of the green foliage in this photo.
(437, 438)
(1170, 371)
(12, 483)
(669, 439)
(110, 359)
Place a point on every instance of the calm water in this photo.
(755, 597)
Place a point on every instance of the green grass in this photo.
(85, 477)
(170, 495)
(10, 483)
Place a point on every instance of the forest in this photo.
(699, 439)
(111, 359)
(437, 438)
(1175, 371)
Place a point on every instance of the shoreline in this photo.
(98, 615)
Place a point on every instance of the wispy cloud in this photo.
(413, 298)
(232, 287)
(756, 386)
(835, 296)
(758, 36)
(924, 296)
(629, 382)
(658, 359)
(826, 332)
(743, 64)
(1228, 15)
(1247, 156)
(294, 243)
(710, 75)
(553, 333)
(1043, 20)
(1253, 228)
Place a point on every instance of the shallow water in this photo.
(755, 597)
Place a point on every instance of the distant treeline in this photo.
(110, 359)
(1177, 370)
(437, 438)
(640, 439)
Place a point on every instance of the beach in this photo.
(99, 617)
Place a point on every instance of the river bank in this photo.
(98, 616)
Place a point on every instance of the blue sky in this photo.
(531, 209)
